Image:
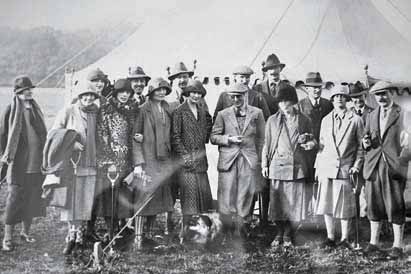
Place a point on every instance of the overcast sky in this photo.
(78, 14)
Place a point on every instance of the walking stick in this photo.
(354, 182)
(112, 175)
(73, 196)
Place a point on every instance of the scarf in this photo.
(15, 124)
(162, 127)
(128, 109)
(86, 126)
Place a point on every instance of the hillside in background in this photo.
(39, 51)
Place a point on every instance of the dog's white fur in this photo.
(203, 233)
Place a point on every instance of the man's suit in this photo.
(269, 95)
(386, 166)
(237, 163)
(364, 114)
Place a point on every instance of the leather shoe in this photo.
(371, 249)
(7, 245)
(328, 243)
(69, 247)
(395, 253)
(344, 244)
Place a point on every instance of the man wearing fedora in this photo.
(358, 96)
(270, 86)
(340, 156)
(22, 138)
(316, 108)
(139, 81)
(242, 74)
(239, 133)
(386, 142)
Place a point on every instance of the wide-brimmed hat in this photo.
(158, 83)
(357, 89)
(237, 88)
(272, 62)
(313, 79)
(243, 70)
(122, 84)
(381, 85)
(194, 86)
(96, 74)
(287, 93)
(178, 69)
(340, 90)
(21, 83)
(90, 89)
(137, 72)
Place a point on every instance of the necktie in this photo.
(385, 113)
(359, 112)
(316, 104)
(272, 88)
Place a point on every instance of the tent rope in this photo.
(78, 54)
(317, 35)
(399, 11)
(271, 33)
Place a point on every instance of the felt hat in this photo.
(194, 86)
(88, 90)
(340, 90)
(137, 72)
(272, 62)
(237, 88)
(357, 89)
(287, 93)
(21, 83)
(156, 84)
(243, 70)
(381, 85)
(313, 79)
(96, 74)
(179, 68)
(122, 84)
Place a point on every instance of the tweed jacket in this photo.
(254, 99)
(253, 137)
(271, 99)
(337, 154)
(388, 146)
(282, 162)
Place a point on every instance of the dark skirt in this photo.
(24, 199)
(195, 192)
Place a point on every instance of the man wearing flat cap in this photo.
(242, 74)
(269, 87)
(239, 133)
(139, 81)
(386, 142)
(22, 138)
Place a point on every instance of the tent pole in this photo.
(68, 85)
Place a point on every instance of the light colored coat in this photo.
(253, 137)
(338, 154)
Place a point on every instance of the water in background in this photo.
(51, 101)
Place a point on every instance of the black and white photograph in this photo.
(205, 136)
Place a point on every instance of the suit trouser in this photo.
(236, 188)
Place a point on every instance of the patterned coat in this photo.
(189, 136)
(114, 144)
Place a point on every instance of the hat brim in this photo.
(19, 90)
(380, 90)
(147, 78)
(359, 94)
(313, 85)
(174, 76)
(264, 69)
(152, 91)
(88, 92)
(348, 97)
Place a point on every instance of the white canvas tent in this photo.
(336, 37)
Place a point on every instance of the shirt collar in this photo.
(340, 114)
(313, 101)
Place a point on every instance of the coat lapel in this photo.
(392, 118)
(265, 87)
(345, 127)
(248, 117)
(231, 116)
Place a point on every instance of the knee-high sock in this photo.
(398, 235)
(345, 226)
(375, 232)
(138, 225)
(26, 226)
(329, 224)
(8, 232)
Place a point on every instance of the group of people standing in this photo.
(275, 141)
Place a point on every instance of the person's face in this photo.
(138, 85)
(87, 99)
(274, 74)
(313, 92)
(159, 94)
(194, 97)
(182, 80)
(98, 85)
(242, 78)
(339, 101)
(384, 98)
(123, 96)
(238, 100)
(286, 107)
(26, 94)
(358, 102)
